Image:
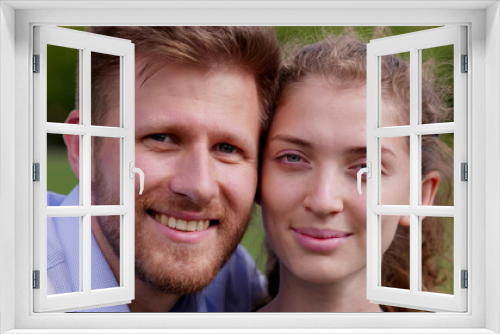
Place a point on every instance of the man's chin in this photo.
(170, 262)
(181, 278)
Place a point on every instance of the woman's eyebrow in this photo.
(358, 150)
(292, 140)
(361, 150)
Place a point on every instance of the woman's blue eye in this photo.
(227, 148)
(358, 167)
(292, 158)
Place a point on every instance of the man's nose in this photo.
(325, 195)
(196, 177)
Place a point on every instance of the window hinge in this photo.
(36, 279)
(465, 279)
(36, 172)
(464, 172)
(36, 63)
(465, 64)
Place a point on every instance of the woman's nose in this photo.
(325, 196)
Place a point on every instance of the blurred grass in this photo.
(254, 239)
(60, 176)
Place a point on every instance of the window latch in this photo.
(368, 171)
(133, 170)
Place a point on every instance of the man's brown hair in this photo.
(251, 49)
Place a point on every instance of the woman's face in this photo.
(314, 216)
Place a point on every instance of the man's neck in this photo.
(146, 300)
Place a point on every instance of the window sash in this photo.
(85, 43)
(414, 298)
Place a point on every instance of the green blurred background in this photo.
(61, 85)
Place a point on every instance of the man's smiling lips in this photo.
(183, 230)
(181, 224)
(320, 240)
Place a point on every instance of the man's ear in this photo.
(430, 185)
(73, 143)
(404, 221)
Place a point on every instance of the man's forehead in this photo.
(146, 67)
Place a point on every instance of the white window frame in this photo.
(414, 43)
(84, 43)
(483, 20)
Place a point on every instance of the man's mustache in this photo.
(160, 201)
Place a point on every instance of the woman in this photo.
(314, 217)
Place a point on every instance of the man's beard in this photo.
(165, 266)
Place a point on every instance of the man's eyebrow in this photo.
(292, 140)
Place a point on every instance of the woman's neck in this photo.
(346, 295)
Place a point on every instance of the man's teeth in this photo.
(183, 225)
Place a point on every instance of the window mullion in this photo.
(414, 175)
(86, 234)
(86, 181)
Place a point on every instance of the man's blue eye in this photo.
(226, 148)
(160, 137)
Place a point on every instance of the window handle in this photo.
(366, 170)
(138, 171)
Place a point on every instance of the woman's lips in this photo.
(320, 240)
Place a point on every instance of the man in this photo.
(203, 98)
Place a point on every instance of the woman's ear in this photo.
(430, 185)
(73, 143)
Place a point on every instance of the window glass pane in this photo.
(105, 90)
(63, 254)
(437, 85)
(60, 176)
(110, 227)
(62, 65)
(106, 157)
(395, 248)
(437, 254)
(395, 89)
(437, 169)
(395, 170)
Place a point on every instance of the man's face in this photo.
(197, 135)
